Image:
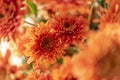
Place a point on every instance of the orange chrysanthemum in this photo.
(74, 7)
(11, 16)
(110, 14)
(38, 75)
(44, 45)
(64, 71)
(9, 71)
(101, 58)
(71, 28)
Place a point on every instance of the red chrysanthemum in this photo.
(44, 45)
(71, 28)
(11, 15)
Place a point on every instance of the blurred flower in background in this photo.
(59, 40)
(100, 59)
(9, 69)
(11, 16)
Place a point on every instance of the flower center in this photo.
(68, 28)
(67, 25)
(46, 43)
(1, 15)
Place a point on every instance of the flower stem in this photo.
(30, 23)
(91, 10)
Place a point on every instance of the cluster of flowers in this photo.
(67, 40)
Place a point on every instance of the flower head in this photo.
(71, 28)
(100, 60)
(10, 17)
(38, 75)
(44, 45)
(64, 70)
(74, 7)
(110, 14)
(9, 71)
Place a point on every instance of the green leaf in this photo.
(94, 26)
(23, 59)
(102, 3)
(59, 61)
(30, 66)
(71, 51)
(32, 7)
(42, 20)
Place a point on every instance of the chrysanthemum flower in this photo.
(71, 28)
(101, 58)
(63, 71)
(110, 14)
(74, 7)
(44, 45)
(38, 75)
(11, 14)
(9, 71)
